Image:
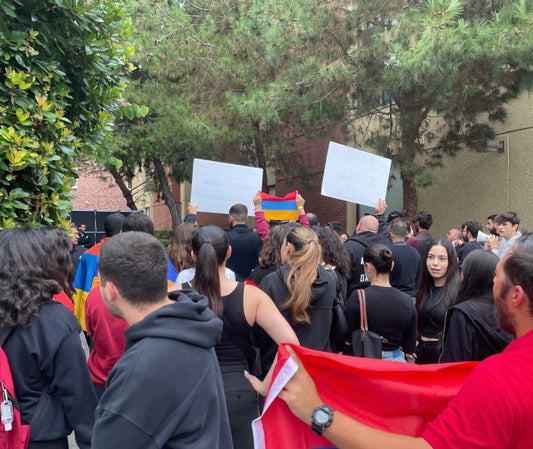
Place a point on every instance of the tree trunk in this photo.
(123, 187)
(410, 197)
(260, 154)
(167, 193)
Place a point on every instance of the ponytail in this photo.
(210, 245)
(303, 272)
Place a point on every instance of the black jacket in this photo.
(48, 354)
(166, 390)
(245, 248)
(472, 332)
(314, 335)
(356, 246)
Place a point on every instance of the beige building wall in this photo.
(472, 185)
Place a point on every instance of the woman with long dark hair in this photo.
(270, 255)
(439, 284)
(52, 382)
(303, 290)
(179, 250)
(391, 313)
(240, 307)
(473, 329)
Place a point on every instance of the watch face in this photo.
(321, 417)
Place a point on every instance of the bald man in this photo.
(370, 230)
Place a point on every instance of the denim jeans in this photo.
(396, 356)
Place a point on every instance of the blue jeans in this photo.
(396, 356)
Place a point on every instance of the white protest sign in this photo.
(217, 186)
(354, 175)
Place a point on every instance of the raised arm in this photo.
(302, 217)
(261, 224)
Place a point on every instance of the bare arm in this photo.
(301, 396)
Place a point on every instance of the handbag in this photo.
(366, 343)
(339, 325)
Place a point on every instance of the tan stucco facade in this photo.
(472, 185)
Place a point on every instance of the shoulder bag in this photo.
(365, 343)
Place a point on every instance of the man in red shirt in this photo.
(494, 407)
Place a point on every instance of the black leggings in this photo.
(241, 400)
(428, 352)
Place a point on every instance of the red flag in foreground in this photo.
(398, 397)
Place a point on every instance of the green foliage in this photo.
(447, 65)
(234, 81)
(63, 67)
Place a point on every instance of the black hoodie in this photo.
(472, 332)
(166, 390)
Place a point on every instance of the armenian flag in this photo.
(392, 396)
(276, 208)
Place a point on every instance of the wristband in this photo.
(300, 207)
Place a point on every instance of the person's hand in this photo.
(300, 392)
(259, 386)
(300, 201)
(381, 207)
(494, 241)
(258, 201)
(192, 209)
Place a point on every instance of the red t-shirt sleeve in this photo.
(480, 416)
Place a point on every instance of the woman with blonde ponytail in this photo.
(303, 290)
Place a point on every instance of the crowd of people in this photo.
(184, 338)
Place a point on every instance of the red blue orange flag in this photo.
(276, 208)
(397, 397)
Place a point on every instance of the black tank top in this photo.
(227, 350)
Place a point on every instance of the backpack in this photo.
(13, 434)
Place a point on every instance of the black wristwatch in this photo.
(321, 418)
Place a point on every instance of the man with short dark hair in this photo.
(406, 271)
(492, 226)
(423, 239)
(245, 244)
(493, 408)
(166, 390)
(470, 231)
(507, 224)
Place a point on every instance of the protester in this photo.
(473, 329)
(84, 239)
(303, 290)
(507, 225)
(423, 239)
(391, 313)
(261, 224)
(494, 407)
(439, 284)
(270, 255)
(179, 251)
(370, 229)
(166, 390)
(87, 273)
(470, 231)
(245, 244)
(77, 249)
(52, 383)
(405, 274)
(240, 307)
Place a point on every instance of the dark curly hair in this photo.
(26, 279)
(57, 245)
(270, 255)
(333, 250)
